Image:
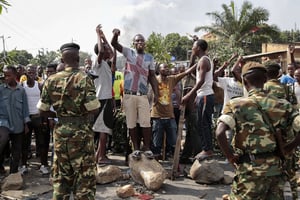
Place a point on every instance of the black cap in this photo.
(69, 46)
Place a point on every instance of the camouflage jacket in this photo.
(276, 88)
(253, 134)
(72, 94)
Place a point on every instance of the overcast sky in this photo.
(35, 24)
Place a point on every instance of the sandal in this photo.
(149, 154)
(201, 157)
(136, 154)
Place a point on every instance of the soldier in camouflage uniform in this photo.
(274, 87)
(72, 94)
(258, 167)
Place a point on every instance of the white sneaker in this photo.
(23, 170)
(44, 170)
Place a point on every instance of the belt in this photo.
(34, 115)
(134, 93)
(73, 119)
(248, 157)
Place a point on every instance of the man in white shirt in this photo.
(205, 97)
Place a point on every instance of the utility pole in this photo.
(3, 42)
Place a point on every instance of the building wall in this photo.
(283, 58)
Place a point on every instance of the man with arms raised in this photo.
(139, 70)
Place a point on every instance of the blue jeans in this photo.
(160, 126)
(205, 109)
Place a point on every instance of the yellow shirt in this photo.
(24, 78)
(119, 77)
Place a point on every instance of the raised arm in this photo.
(114, 41)
(114, 61)
(219, 71)
(186, 72)
(99, 44)
(291, 51)
(236, 69)
(107, 47)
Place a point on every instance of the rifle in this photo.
(290, 93)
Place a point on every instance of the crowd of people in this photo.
(254, 104)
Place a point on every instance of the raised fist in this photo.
(116, 31)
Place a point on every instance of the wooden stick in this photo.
(164, 146)
(178, 145)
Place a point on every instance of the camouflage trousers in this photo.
(74, 170)
(290, 169)
(249, 187)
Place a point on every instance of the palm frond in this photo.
(3, 4)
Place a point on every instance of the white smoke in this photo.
(178, 16)
(162, 16)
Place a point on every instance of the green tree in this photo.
(163, 48)
(46, 57)
(43, 58)
(222, 52)
(246, 29)
(18, 57)
(289, 36)
(156, 46)
(178, 45)
(3, 4)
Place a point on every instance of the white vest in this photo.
(206, 88)
(33, 97)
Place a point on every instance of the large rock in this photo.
(227, 179)
(108, 174)
(207, 171)
(12, 194)
(147, 172)
(125, 191)
(13, 182)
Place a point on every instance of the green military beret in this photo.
(69, 46)
(251, 66)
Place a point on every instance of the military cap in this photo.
(251, 66)
(69, 46)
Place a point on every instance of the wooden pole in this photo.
(175, 166)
